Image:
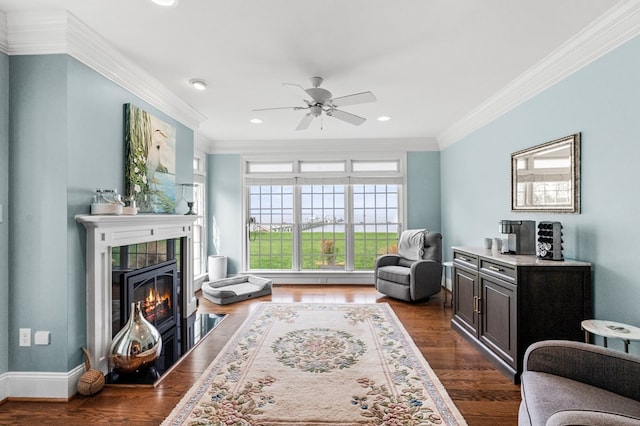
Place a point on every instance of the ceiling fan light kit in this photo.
(322, 100)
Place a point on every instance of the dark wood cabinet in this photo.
(498, 305)
(466, 292)
(503, 303)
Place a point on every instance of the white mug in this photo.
(497, 244)
(487, 243)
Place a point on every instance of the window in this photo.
(271, 227)
(322, 166)
(333, 221)
(322, 228)
(199, 237)
(199, 226)
(375, 211)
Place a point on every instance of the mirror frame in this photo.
(574, 145)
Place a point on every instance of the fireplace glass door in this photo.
(156, 288)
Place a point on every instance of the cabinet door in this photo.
(465, 295)
(498, 318)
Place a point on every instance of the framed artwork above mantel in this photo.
(150, 161)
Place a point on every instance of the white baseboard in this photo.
(316, 277)
(4, 386)
(40, 385)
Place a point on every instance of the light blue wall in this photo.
(601, 102)
(423, 190)
(224, 204)
(66, 140)
(38, 211)
(4, 226)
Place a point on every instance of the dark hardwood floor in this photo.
(482, 394)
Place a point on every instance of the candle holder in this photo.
(188, 194)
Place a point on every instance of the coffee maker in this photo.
(521, 235)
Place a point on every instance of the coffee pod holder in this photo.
(549, 244)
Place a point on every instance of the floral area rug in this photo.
(318, 364)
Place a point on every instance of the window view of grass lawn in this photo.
(339, 227)
(319, 250)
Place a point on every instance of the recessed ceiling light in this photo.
(198, 84)
(256, 121)
(166, 3)
(384, 118)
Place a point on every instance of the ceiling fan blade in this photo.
(305, 122)
(306, 95)
(346, 116)
(269, 109)
(356, 98)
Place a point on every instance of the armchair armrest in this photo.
(605, 368)
(426, 277)
(386, 260)
(590, 418)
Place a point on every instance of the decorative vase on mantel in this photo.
(137, 345)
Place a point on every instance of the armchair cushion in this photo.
(396, 274)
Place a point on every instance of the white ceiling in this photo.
(429, 62)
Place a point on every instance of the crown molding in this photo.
(322, 146)
(617, 26)
(60, 32)
(4, 47)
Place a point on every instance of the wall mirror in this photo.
(546, 177)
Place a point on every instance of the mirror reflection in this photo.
(547, 177)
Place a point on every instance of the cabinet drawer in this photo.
(466, 259)
(500, 270)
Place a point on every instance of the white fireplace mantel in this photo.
(105, 232)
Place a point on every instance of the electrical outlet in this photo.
(25, 337)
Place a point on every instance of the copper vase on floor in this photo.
(137, 345)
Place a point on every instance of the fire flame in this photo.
(156, 304)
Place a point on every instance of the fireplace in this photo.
(106, 233)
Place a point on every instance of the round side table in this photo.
(446, 265)
(607, 329)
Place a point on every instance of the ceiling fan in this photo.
(318, 100)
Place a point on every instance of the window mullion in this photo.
(348, 228)
(296, 229)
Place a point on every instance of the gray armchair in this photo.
(415, 273)
(575, 383)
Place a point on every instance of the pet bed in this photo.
(235, 289)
